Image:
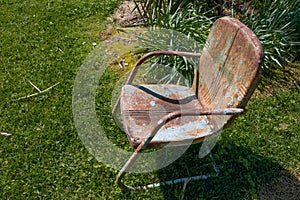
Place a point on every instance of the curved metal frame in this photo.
(150, 55)
(251, 60)
(161, 122)
(167, 118)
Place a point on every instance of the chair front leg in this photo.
(127, 166)
(154, 131)
(140, 148)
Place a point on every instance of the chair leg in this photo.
(185, 179)
(215, 166)
(133, 158)
(127, 166)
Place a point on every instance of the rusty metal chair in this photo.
(228, 72)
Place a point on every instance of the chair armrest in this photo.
(147, 56)
(176, 114)
(157, 53)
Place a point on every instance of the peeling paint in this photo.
(229, 70)
(152, 103)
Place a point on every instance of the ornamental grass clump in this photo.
(276, 24)
(192, 20)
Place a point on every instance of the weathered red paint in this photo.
(229, 71)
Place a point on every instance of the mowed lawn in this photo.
(42, 44)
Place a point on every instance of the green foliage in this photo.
(191, 19)
(170, 69)
(276, 24)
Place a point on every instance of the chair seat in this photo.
(142, 106)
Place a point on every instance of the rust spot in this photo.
(227, 75)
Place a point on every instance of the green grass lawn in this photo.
(45, 42)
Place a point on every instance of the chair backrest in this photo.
(229, 68)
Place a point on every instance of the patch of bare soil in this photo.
(285, 187)
(127, 15)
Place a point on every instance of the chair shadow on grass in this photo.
(243, 175)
